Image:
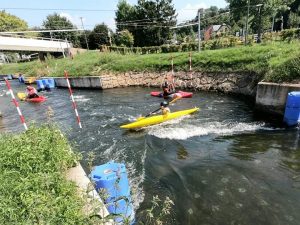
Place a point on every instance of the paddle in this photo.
(143, 117)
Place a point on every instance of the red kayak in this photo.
(36, 100)
(182, 94)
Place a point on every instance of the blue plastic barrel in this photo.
(292, 109)
(51, 83)
(293, 100)
(112, 177)
(123, 207)
(21, 79)
(40, 85)
(45, 82)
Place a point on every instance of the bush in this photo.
(290, 34)
(286, 71)
(33, 189)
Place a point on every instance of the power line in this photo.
(56, 9)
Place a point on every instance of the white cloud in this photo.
(74, 19)
(111, 24)
(189, 12)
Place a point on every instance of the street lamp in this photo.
(259, 23)
(246, 33)
(199, 29)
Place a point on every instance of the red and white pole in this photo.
(72, 98)
(16, 104)
(190, 60)
(172, 65)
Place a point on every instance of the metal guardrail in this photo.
(36, 38)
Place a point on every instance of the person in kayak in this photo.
(31, 92)
(164, 108)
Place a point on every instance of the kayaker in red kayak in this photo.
(31, 92)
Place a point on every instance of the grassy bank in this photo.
(33, 189)
(278, 62)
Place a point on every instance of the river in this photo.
(219, 166)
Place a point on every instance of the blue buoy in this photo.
(40, 85)
(51, 83)
(112, 178)
(292, 109)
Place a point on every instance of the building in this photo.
(215, 31)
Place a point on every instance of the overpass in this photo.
(34, 44)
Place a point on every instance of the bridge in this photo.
(9, 42)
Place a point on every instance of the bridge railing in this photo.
(37, 38)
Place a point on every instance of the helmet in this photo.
(164, 104)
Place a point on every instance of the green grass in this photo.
(33, 189)
(276, 62)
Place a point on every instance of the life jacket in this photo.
(166, 111)
(32, 91)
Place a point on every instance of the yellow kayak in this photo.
(21, 96)
(148, 121)
(29, 80)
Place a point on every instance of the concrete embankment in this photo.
(232, 83)
(271, 97)
(94, 204)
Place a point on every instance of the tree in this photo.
(162, 15)
(57, 22)
(101, 35)
(10, 22)
(125, 16)
(124, 38)
(149, 21)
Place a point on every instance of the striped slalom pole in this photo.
(172, 65)
(16, 104)
(72, 98)
(190, 60)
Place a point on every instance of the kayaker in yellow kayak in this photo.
(164, 108)
(31, 92)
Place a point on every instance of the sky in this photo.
(186, 9)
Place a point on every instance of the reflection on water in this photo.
(219, 166)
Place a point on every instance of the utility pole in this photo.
(199, 30)
(87, 45)
(259, 23)
(109, 36)
(246, 33)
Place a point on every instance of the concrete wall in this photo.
(232, 83)
(93, 82)
(271, 97)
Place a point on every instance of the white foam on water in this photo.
(216, 128)
(81, 98)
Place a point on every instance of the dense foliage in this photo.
(57, 22)
(124, 38)
(10, 22)
(33, 189)
(148, 21)
(100, 35)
